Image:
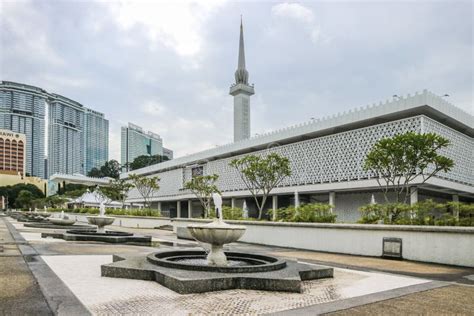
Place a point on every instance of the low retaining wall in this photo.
(446, 245)
(129, 221)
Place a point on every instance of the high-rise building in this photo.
(12, 152)
(136, 142)
(78, 137)
(66, 141)
(22, 110)
(241, 91)
(96, 140)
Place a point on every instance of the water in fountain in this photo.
(62, 214)
(245, 210)
(102, 209)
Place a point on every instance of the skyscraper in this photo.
(78, 137)
(22, 110)
(96, 140)
(136, 142)
(66, 141)
(241, 91)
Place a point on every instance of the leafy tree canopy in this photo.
(110, 169)
(399, 161)
(203, 187)
(24, 199)
(146, 186)
(261, 174)
(145, 161)
(11, 192)
(118, 190)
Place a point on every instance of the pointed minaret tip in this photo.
(241, 75)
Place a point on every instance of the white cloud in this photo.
(153, 108)
(299, 13)
(176, 24)
(20, 21)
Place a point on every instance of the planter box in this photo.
(446, 245)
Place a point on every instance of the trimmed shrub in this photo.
(306, 213)
(425, 212)
(230, 213)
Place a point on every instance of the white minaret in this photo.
(241, 91)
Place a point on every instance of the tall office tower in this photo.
(22, 110)
(96, 140)
(66, 142)
(136, 142)
(241, 91)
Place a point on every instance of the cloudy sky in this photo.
(167, 66)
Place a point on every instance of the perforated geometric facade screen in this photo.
(334, 158)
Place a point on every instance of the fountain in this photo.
(100, 234)
(217, 234)
(62, 220)
(195, 271)
(101, 221)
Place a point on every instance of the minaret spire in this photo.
(241, 74)
(241, 91)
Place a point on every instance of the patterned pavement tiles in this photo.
(106, 296)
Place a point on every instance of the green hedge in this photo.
(306, 213)
(426, 212)
(230, 213)
(110, 211)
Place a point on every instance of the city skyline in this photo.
(62, 135)
(316, 59)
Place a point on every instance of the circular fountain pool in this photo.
(195, 260)
(95, 233)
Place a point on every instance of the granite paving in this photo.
(104, 295)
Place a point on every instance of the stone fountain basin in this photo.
(43, 214)
(61, 221)
(216, 233)
(100, 220)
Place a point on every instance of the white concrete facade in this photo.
(445, 245)
(324, 162)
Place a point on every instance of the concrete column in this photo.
(332, 200)
(190, 209)
(456, 209)
(178, 209)
(159, 206)
(413, 195)
(232, 202)
(274, 206)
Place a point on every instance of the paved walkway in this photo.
(450, 300)
(20, 294)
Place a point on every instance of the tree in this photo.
(55, 201)
(110, 169)
(12, 191)
(400, 160)
(203, 187)
(94, 172)
(73, 190)
(261, 174)
(145, 161)
(24, 199)
(146, 186)
(118, 190)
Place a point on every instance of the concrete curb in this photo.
(60, 299)
(362, 300)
